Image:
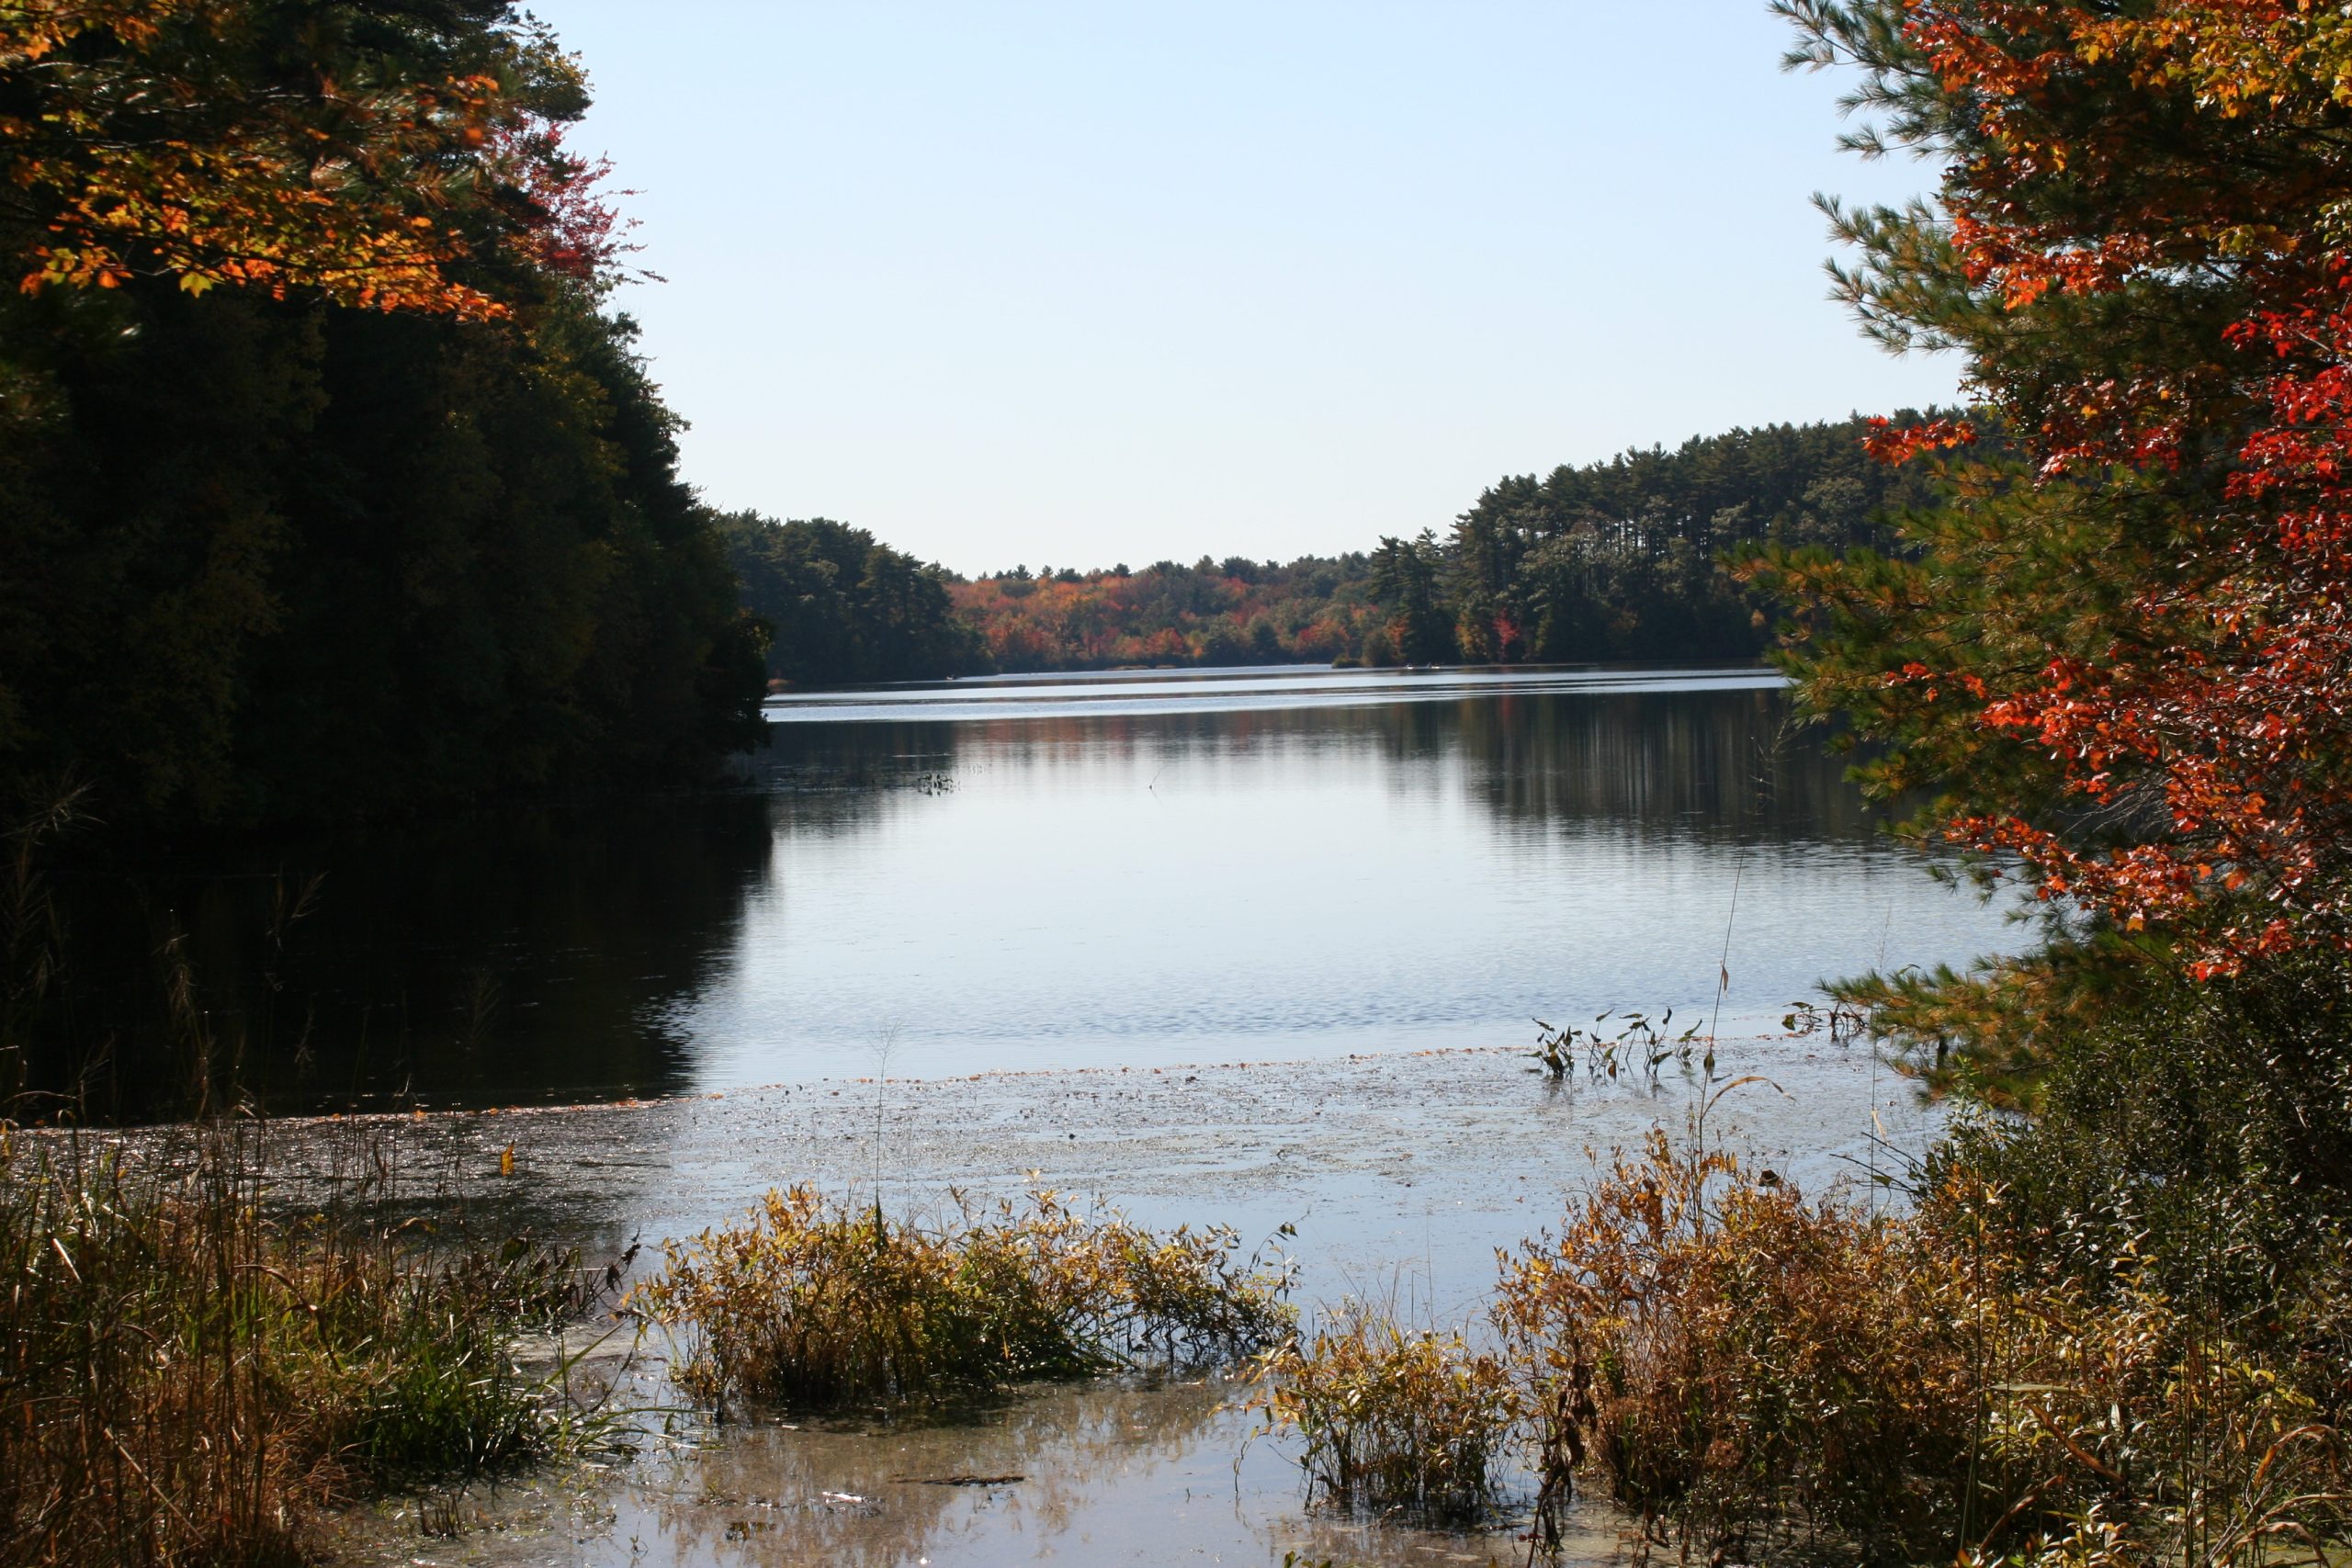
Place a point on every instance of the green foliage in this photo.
(263, 561)
(270, 552)
(1892, 653)
(1404, 583)
(2203, 1127)
(843, 608)
(1623, 559)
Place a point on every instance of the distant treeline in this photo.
(1620, 560)
(1232, 612)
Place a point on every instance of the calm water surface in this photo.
(1147, 868)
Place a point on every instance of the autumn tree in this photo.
(219, 142)
(330, 482)
(2122, 662)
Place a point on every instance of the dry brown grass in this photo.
(184, 1381)
(817, 1304)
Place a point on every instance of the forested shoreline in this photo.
(1627, 558)
(334, 489)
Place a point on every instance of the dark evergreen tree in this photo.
(843, 607)
(310, 537)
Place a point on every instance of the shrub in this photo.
(1741, 1367)
(1393, 1419)
(1731, 1355)
(811, 1303)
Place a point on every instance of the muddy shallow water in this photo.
(1402, 1175)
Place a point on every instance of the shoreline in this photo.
(1402, 1176)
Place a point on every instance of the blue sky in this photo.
(1072, 284)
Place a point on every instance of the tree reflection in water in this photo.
(1061, 889)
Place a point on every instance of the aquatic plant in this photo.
(810, 1303)
(1393, 1419)
(183, 1379)
(1724, 1354)
(1639, 1046)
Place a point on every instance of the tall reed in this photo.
(185, 1379)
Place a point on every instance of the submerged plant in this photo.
(811, 1303)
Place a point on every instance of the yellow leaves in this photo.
(2230, 56)
(271, 189)
(34, 29)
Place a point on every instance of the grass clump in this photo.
(186, 1381)
(813, 1304)
(1988, 1374)
(1392, 1419)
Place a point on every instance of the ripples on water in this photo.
(1132, 868)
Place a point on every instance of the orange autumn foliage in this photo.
(2138, 248)
(209, 141)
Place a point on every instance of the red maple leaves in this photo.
(2207, 760)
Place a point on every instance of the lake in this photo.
(1144, 868)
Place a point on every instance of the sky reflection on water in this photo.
(1145, 869)
(1074, 884)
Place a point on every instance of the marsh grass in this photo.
(1392, 1420)
(184, 1379)
(1727, 1356)
(814, 1304)
(1754, 1375)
